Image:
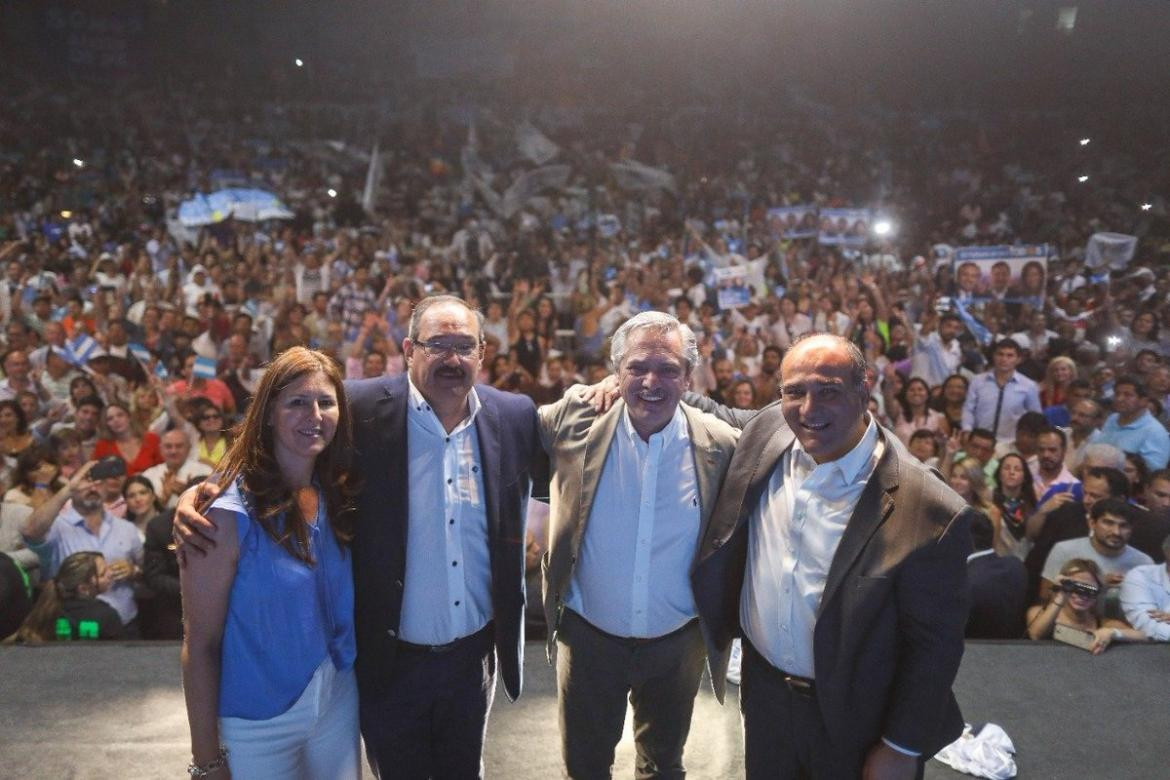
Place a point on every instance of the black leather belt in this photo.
(801, 686)
(463, 641)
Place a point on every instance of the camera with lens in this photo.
(1079, 588)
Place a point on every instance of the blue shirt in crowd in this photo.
(1145, 436)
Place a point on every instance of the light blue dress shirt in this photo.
(1145, 436)
(447, 592)
(116, 540)
(1020, 395)
(632, 577)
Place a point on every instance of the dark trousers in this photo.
(596, 672)
(430, 719)
(784, 732)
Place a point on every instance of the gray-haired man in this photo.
(632, 494)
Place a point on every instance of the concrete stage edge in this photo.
(111, 710)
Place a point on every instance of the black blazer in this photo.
(508, 439)
(889, 629)
(998, 586)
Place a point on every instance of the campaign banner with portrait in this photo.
(845, 227)
(1012, 274)
(792, 222)
(732, 288)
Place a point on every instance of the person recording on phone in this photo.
(1076, 601)
(55, 531)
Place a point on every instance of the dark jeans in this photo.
(596, 672)
(784, 733)
(431, 719)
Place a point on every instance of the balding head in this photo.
(823, 395)
(175, 448)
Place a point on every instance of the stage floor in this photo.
(116, 711)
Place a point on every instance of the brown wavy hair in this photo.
(252, 456)
(77, 570)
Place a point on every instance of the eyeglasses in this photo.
(435, 348)
(211, 416)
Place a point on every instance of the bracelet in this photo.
(214, 765)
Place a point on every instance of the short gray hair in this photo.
(1105, 455)
(659, 322)
(421, 307)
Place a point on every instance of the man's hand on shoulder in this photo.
(191, 528)
(602, 395)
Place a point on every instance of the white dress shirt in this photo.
(792, 537)
(632, 577)
(447, 592)
(1147, 588)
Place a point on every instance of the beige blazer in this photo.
(577, 440)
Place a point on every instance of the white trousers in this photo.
(317, 737)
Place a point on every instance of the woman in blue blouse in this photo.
(269, 647)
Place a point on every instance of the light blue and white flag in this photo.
(204, 367)
(80, 349)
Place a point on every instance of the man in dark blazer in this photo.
(424, 702)
(867, 591)
(444, 470)
(998, 585)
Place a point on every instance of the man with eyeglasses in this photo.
(444, 467)
(842, 561)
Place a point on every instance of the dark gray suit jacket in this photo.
(889, 631)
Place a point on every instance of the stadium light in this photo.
(66, 214)
(331, 192)
(883, 227)
(1082, 179)
(299, 62)
(1147, 206)
(79, 162)
(1085, 141)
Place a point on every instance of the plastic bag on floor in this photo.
(987, 752)
(735, 663)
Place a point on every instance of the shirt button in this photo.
(475, 469)
(716, 544)
(449, 481)
(448, 439)
(454, 563)
(451, 521)
(456, 603)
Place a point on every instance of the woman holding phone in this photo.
(269, 645)
(1076, 602)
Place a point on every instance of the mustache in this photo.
(450, 371)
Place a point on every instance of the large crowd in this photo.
(1043, 401)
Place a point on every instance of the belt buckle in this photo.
(799, 685)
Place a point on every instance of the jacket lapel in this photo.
(872, 508)
(709, 458)
(487, 430)
(742, 487)
(597, 442)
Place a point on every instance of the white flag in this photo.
(532, 183)
(633, 175)
(373, 180)
(1110, 250)
(534, 145)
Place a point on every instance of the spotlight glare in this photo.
(66, 214)
(331, 192)
(1085, 141)
(79, 162)
(299, 62)
(1147, 206)
(1082, 179)
(882, 227)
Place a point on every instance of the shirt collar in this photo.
(420, 406)
(852, 463)
(675, 429)
(73, 517)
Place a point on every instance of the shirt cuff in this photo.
(900, 749)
